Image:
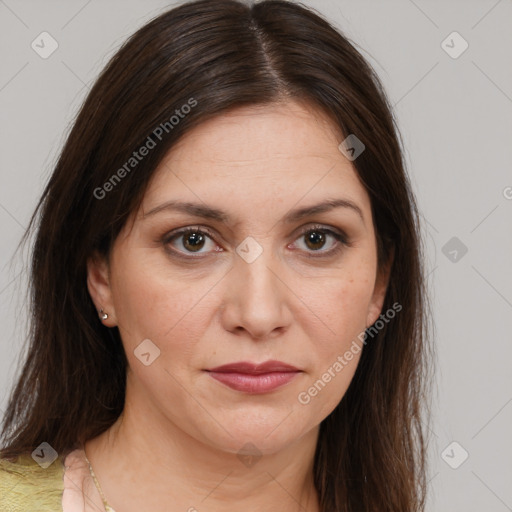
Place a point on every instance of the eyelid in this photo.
(321, 227)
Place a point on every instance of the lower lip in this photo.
(254, 383)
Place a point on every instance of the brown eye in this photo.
(193, 241)
(315, 239)
(189, 241)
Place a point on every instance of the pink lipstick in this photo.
(254, 378)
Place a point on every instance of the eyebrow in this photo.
(207, 212)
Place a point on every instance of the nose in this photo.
(256, 300)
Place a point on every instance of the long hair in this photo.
(215, 56)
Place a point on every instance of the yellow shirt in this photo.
(64, 486)
(25, 486)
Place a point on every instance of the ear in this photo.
(379, 291)
(98, 284)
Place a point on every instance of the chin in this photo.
(257, 439)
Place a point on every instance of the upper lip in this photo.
(255, 369)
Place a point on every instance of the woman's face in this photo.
(257, 278)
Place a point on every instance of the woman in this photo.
(228, 296)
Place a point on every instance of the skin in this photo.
(181, 430)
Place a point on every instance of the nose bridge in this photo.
(257, 270)
(257, 300)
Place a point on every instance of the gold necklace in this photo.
(108, 508)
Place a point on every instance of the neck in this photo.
(161, 464)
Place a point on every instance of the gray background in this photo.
(455, 116)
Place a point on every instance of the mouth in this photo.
(254, 378)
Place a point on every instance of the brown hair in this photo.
(219, 55)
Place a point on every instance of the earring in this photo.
(103, 315)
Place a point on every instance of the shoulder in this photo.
(24, 482)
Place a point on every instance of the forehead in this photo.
(252, 156)
(251, 133)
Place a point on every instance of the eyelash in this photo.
(341, 238)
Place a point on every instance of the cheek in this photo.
(336, 339)
(339, 305)
(160, 306)
(348, 300)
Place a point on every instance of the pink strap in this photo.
(80, 493)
